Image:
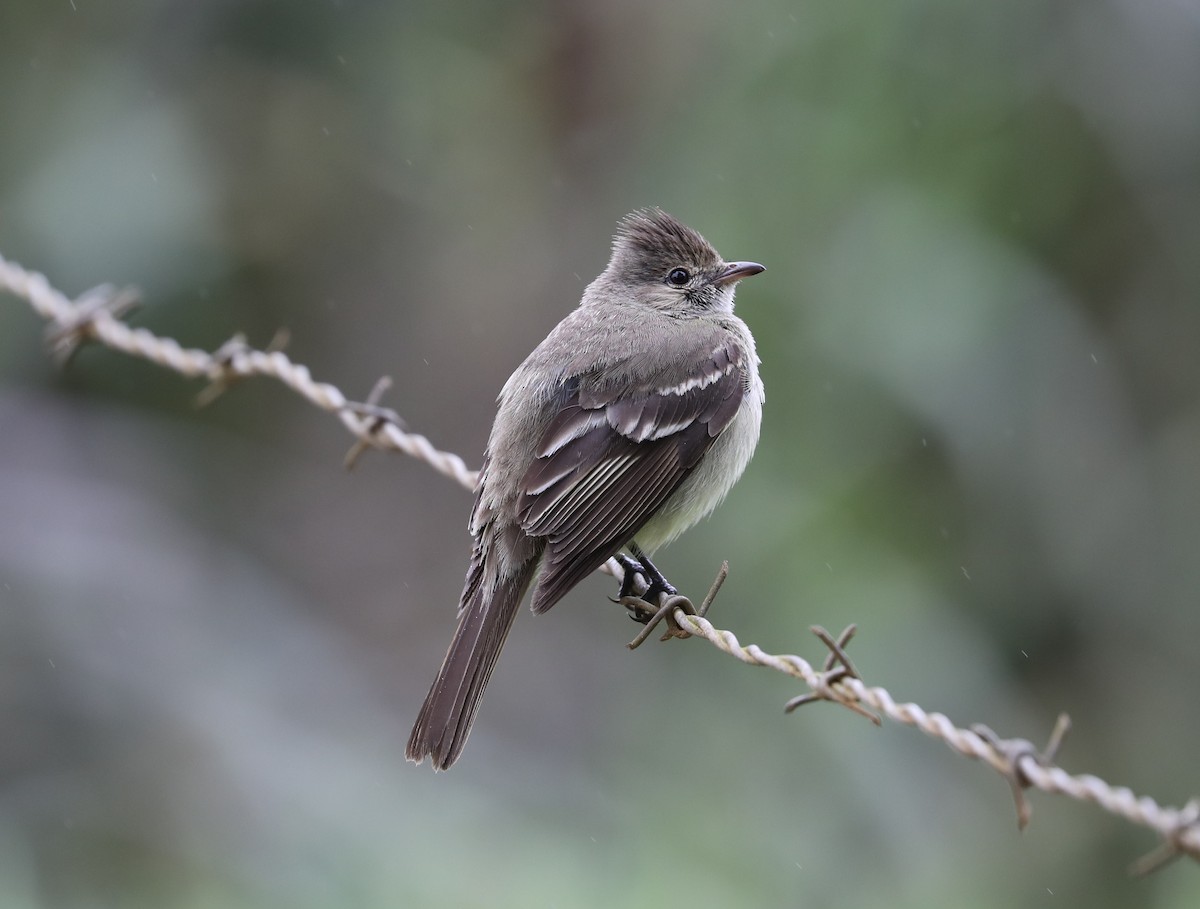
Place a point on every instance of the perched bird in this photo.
(625, 426)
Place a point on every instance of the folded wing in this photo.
(610, 459)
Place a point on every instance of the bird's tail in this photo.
(449, 710)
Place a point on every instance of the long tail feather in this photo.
(449, 710)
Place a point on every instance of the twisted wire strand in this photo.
(96, 316)
(89, 318)
(1014, 759)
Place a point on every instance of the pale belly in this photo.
(712, 479)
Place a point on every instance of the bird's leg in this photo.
(645, 607)
(658, 583)
(633, 570)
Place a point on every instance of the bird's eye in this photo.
(678, 277)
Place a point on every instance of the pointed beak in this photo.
(735, 271)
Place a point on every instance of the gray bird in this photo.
(625, 426)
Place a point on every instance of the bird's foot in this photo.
(633, 570)
(668, 607)
(656, 583)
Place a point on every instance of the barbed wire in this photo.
(97, 315)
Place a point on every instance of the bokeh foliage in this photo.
(979, 332)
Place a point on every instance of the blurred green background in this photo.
(979, 330)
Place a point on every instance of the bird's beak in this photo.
(735, 271)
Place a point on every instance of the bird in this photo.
(625, 426)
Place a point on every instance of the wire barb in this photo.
(378, 417)
(1013, 753)
(225, 373)
(1182, 838)
(664, 613)
(64, 337)
(826, 687)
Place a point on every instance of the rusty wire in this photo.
(97, 315)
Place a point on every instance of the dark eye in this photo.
(678, 277)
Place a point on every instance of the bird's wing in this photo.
(611, 457)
